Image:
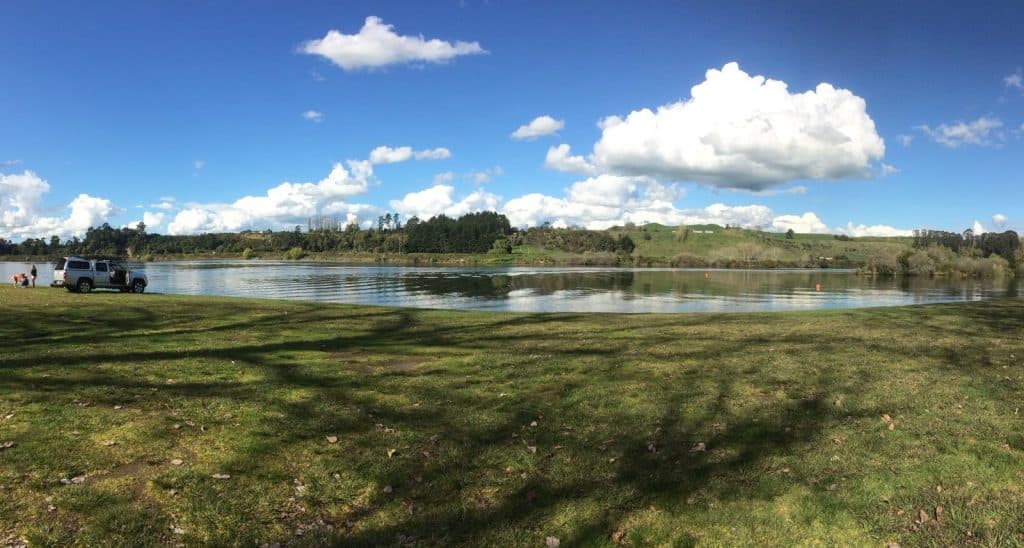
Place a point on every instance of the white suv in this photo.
(83, 275)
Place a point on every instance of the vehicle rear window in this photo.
(60, 264)
(78, 265)
(101, 267)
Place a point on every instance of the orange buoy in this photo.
(706, 275)
(817, 287)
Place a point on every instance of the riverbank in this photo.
(136, 419)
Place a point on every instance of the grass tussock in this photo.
(144, 419)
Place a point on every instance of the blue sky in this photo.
(194, 115)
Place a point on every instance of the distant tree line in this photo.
(1004, 244)
(472, 233)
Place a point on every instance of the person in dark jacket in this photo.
(33, 272)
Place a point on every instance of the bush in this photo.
(501, 246)
(883, 264)
(920, 263)
(295, 253)
(248, 253)
(688, 260)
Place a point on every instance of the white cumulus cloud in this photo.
(608, 200)
(440, 199)
(21, 210)
(282, 206)
(153, 220)
(742, 131)
(389, 155)
(999, 220)
(377, 45)
(978, 132)
(808, 223)
(857, 231)
(560, 158)
(538, 127)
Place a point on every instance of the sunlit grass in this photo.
(504, 429)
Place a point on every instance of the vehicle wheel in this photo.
(138, 287)
(84, 286)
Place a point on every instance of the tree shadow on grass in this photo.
(651, 435)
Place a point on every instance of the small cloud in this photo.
(10, 163)
(389, 155)
(377, 45)
(163, 204)
(316, 76)
(797, 190)
(999, 220)
(313, 116)
(1015, 80)
(977, 132)
(439, 153)
(538, 127)
(444, 177)
(887, 170)
(199, 164)
(560, 158)
(904, 139)
(485, 176)
(808, 223)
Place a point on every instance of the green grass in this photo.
(111, 388)
(738, 246)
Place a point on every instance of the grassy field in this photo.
(149, 419)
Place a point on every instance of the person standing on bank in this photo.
(33, 272)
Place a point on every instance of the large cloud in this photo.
(608, 200)
(439, 199)
(282, 206)
(742, 131)
(21, 211)
(377, 45)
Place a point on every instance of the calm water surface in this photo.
(540, 289)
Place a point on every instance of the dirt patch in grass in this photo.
(407, 365)
(351, 356)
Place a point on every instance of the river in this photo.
(550, 289)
